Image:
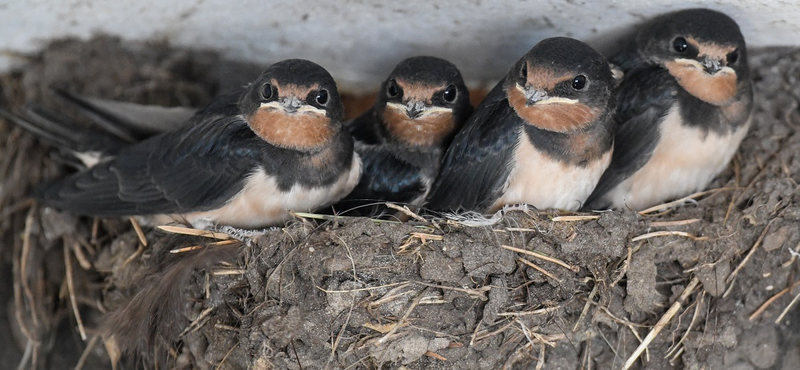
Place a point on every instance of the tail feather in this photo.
(128, 121)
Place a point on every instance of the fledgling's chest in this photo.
(684, 161)
(538, 179)
(262, 202)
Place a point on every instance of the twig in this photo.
(364, 289)
(662, 322)
(668, 233)
(540, 311)
(732, 277)
(537, 268)
(542, 257)
(772, 299)
(71, 289)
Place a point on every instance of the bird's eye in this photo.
(579, 82)
(266, 92)
(449, 94)
(523, 72)
(733, 57)
(322, 97)
(680, 44)
(392, 90)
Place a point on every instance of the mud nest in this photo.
(715, 276)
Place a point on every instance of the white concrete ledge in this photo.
(360, 41)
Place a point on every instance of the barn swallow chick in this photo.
(542, 136)
(244, 161)
(403, 137)
(684, 106)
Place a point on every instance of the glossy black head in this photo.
(294, 104)
(424, 101)
(561, 85)
(702, 48)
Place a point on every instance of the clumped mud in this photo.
(357, 293)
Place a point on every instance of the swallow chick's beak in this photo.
(534, 96)
(292, 105)
(415, 109)
(711, 65)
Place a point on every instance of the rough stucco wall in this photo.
(360, 41)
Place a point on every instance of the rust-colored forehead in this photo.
(419, 91)
(300, 91)
(710, 49)
(546, 78)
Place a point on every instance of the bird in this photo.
(684, 105)
(402, 138)
(542, 136)
(245, 161)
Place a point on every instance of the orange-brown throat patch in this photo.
(718, 89)
(558, 117)
(418, 91)
(424, 131)
(298, 131)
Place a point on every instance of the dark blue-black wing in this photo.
(643, 99)
(196, 168)
(478, 162)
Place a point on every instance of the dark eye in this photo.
(579, 82)
(733, 56)
(266, 92)
(322, 97)
(449, 94)
(392, 89)
(523, 72)
(680, 44)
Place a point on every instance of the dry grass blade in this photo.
(435, 355)
(227, 272)
(771, 300)
(196, 324)
(676, 348)
(662, 322)
(537, 268)
(678, 202)
(194, 232)
(317, 216)
(407, 212)
(363, 289)
(402, 321)
(585, 310)
(732, 277)
(656, 234)
(71, 288)
(186, 249)
(139, 231)
(674, 223)
(86, 352)
(575, 218)
(542, 257)
(540, 311)
(789, 307)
